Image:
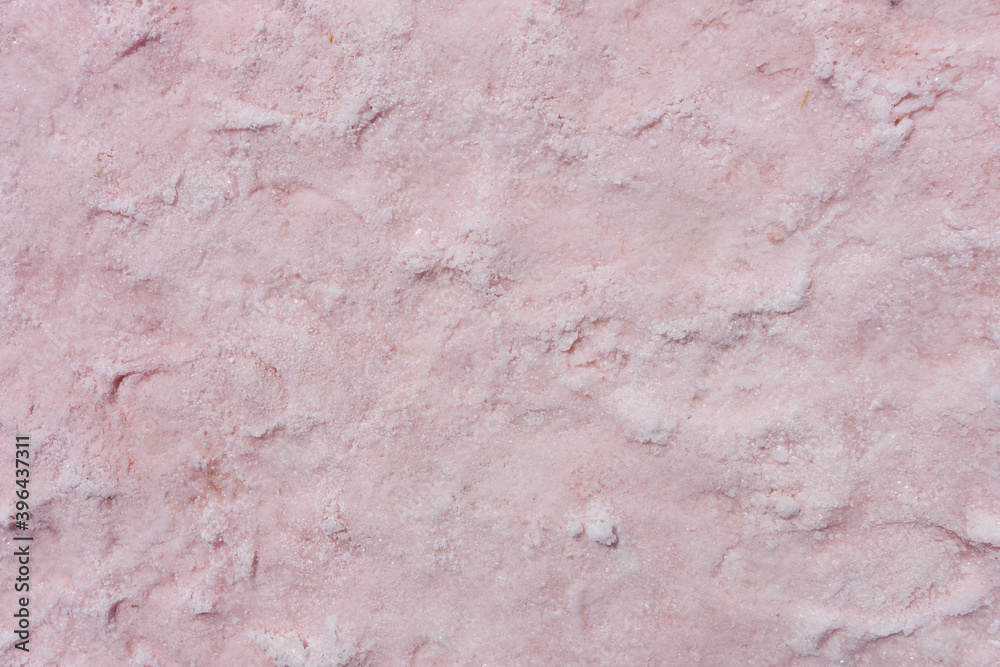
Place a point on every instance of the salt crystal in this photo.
(602, 532)
(785, 507)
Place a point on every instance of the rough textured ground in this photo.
(504, 333)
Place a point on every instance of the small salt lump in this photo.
(982, 527)
(602, 532)
(785, 507)
(600, 525)
(574, 528)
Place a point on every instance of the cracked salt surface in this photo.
(507, 333)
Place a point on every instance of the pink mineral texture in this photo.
(515, 332)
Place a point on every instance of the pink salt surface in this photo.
(503, 333)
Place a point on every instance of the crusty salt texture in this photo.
(521, 332)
